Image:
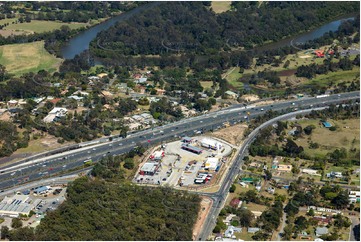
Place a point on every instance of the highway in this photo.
(51, 164)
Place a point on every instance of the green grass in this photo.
(39, 26)
(221, 6)
(330, 140)
(233, 76)
(333, 78)
(30, 57)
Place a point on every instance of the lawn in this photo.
(346, 136)
(221, 6)
(30, 57)
(39, 26)
(334, 77)
(233, 76)
(206, 84)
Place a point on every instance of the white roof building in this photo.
(54, 114)
(211, 163)
(211, 144)
(16, 205)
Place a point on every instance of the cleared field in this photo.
(206, 84)
(39, 26)
(233, 76)
(221, 6)
(335, 77)
(232, 134)
(346, 136)
(29, 57)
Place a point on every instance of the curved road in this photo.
(40, 168)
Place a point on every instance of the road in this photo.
(48, 163)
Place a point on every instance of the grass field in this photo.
(335, 77)
(233, 76)
(39, 26)
(346, 136)
(221, 6)
(29, 57)
(206, 84)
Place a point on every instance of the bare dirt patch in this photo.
(9, 32)
(232, 134)
(250, 97)
(206, 205)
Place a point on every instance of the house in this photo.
(41, 190)
(229, 218)
(310, 172)
(271, 190)
(187, 140)
(230, 94)
(254, 165)
(141, 80)
(354, 196)
(253, 230)
(321, 231)
(334, 174)
(12, 103)
(106, 94)
(322, 220)
(55, 114)
(284, 168)
(93, 78)
(229, 233)
(160, 92)
(101, 75)
(76, 98)
(235, 202)
(81, 93)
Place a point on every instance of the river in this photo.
(81, 42)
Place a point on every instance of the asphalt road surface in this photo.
(40, 168)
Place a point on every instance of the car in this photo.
(12, 174)
(293, 104)
(1, 191)
(262, 109)
(164, 179)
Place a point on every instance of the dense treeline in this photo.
(10, 139)
(98, 210)
(196, 34)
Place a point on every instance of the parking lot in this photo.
(181, 167)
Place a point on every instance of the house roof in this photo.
(321, 230)
(327, 124)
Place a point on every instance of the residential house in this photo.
(12, 103)
(271, 190)
(334, 174)
(141, 80)
(354, 196)
(107, 95)
(321, 231)
(230, 94)
(81, 93)
(229, 218)
(236, 203)
(323, 220)
(101, 75)
(310, 172)
(55, 114)
(160, 92)
(229, 233)
(253, 230)
(284, 168)
(254, 165)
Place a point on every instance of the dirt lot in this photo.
(206, 204)
(232, 134)
(250, 97)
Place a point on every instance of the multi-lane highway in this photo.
(41, 168)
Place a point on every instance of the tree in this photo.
(245, 217)
(129, 163)
(301, 223)
(308, 129)
(311, 212)
(341, 201)
(232, 189)
(4, 232)
(268, 175)
(16, 223)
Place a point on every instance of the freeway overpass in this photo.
(49, 164)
